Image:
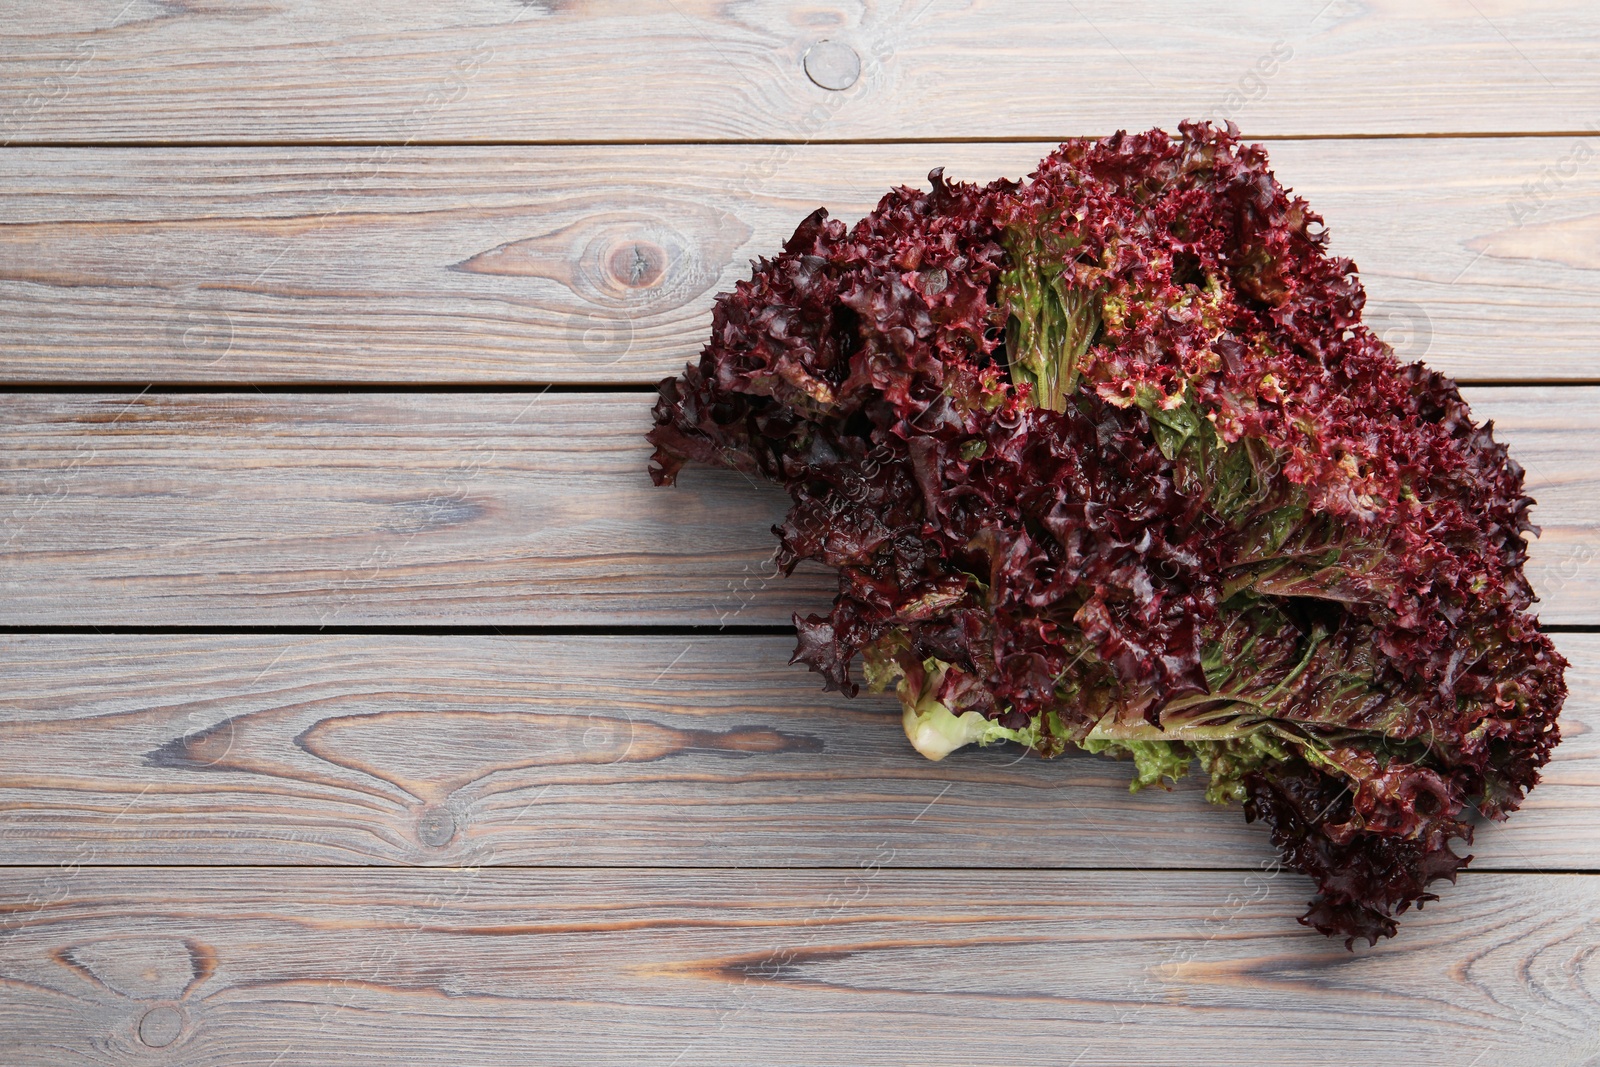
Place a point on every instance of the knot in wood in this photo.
(637, 264)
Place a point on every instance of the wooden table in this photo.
(364, 704)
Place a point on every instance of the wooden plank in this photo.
(599, 264)
(531, 509)
(339, 510)
(864, 965)
(386, 71)
(315, 749)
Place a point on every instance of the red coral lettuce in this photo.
(1107, 459)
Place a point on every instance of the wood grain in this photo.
(582, 848)
(594, 751)
(387, 71)
(316, 510)
(863, 965)
(530, 509)
(599, 264)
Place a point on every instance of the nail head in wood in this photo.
(436, 827)
(832, 65)
(160, 1027)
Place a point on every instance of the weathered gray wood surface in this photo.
(681, 751)
(522, 508)
(599, 263)
(396, 72)
(863, 965)
(635, 847)
(333, 510)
